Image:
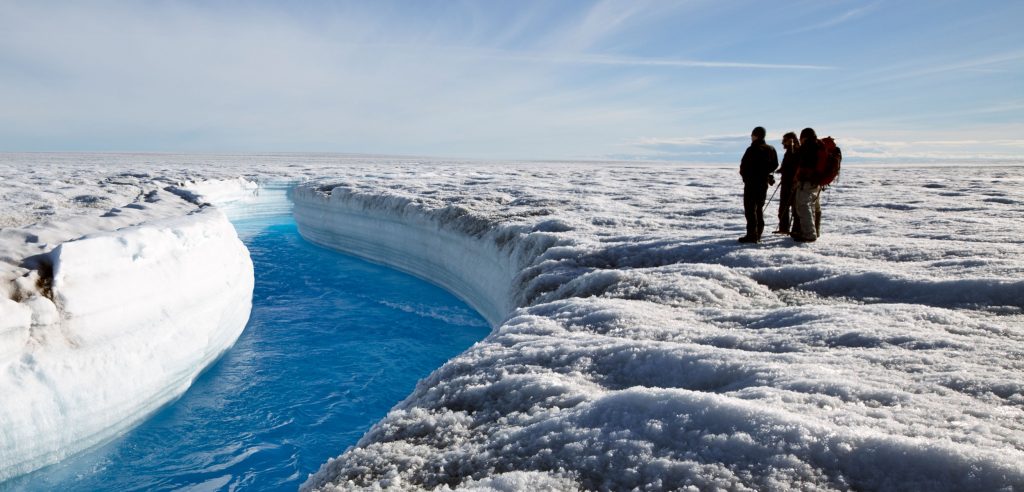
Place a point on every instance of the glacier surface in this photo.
(635, 344)
(638, 346)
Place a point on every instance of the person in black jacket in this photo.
(806, 198)
(787, 183)
(756, 168)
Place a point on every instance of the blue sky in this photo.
(892, 80)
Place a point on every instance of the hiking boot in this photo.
(748, 239)
(781, 231)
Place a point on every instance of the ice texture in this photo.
(635, 344)
(108, 316)
(638, 346)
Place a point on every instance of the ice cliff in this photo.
(637, 346)
(105, 319)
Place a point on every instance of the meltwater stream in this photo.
(332, 344)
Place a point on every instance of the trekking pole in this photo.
(769, 202)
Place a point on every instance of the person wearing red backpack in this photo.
(806, 198)
(758, 163)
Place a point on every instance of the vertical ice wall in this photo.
(464, 255)
(240, 198)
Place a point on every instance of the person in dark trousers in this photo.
(758, 163)
(808, 192)
(786, 183)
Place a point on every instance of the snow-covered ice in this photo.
(636, 345)
(107, 317)
(646, 349)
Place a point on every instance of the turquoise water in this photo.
(333, 343)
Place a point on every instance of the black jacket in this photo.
(788, 167)
(759, 161)
(807, 161)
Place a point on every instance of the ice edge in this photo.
(109, 327)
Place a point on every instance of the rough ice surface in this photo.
(106, 317)
(636, 345)
(645, 349)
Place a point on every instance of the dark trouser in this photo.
(753, 206)
(785, 205)
(817, 215)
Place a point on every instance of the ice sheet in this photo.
(635, 343)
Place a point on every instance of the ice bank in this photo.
(454, 249)
(637, 347)
(97, 331)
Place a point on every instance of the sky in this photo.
(891, 80)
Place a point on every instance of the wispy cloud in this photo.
(964, 157)
(594, 59)
(477, 79)
(904, 144)
(998, 149)
(696, 141)
(728, 148)
(842, 18)
(603, 19)
(566, 58)
(607, 22)
(991, 63)
(969, 64)
(613, 60)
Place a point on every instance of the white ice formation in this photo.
(637, 346)
(464, 258)
(105, 319)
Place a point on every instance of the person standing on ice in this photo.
(807, 196)
(787, 183)
(758, 163)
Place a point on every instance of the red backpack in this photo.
(829, 158)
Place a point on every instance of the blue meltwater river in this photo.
(333, 343)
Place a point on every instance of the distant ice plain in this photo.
(637, 344)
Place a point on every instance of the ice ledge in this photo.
(103, 330)
(480, 262)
